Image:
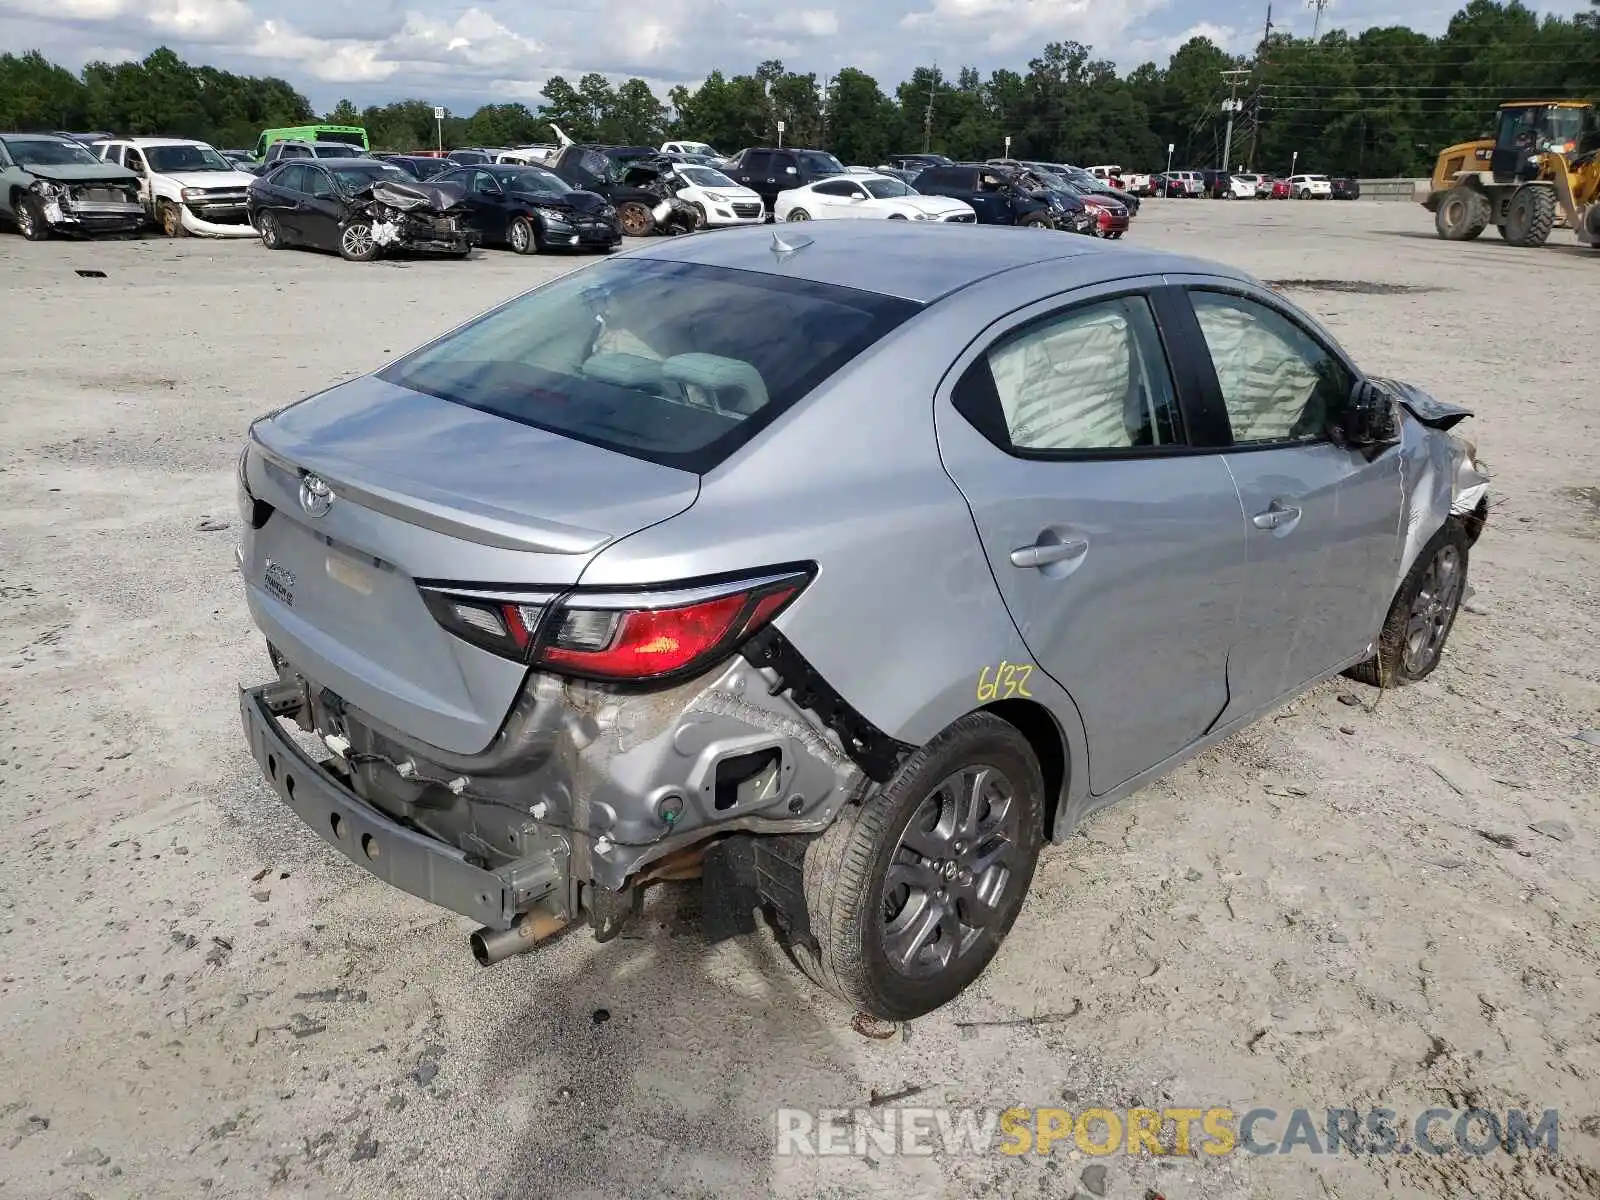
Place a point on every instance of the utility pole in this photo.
(1316, 21)
(927, 116)
(1230, 106)
(1255, 104)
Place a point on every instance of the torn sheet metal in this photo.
(1440, 471)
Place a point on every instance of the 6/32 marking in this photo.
(1004, 681)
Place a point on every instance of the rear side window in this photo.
(757, 161)
(949, 177)
(675, 363)
(1092, 378)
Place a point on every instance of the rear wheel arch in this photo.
(1043, 732)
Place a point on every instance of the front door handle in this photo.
(1042, 554)
(1278, 515)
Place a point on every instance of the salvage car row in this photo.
(337, 196)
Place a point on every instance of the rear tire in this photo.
(911, 891)
(1462, 215)
(1531, 215)
(1422, 614)
(798, 214)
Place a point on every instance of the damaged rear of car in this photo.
(497, 736)
(52, 184)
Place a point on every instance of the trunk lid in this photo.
(425, 490)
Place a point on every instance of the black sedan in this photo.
(531, 209)
(1346, 189)
(360, 207)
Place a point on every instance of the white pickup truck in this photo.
(186, 187)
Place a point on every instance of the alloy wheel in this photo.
(951, 870)
(1433, 610)
(357, 241)
(519, 237)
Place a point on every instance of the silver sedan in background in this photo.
(838, 568)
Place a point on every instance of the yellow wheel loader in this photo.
(1541, 169)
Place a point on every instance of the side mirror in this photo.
(1370, 421)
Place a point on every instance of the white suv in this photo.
(1310, 187)
(186, 187)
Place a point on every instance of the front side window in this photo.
(674, 363)
(1279, 384)
(1093, 378)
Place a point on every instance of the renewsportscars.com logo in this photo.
(1163, 1132)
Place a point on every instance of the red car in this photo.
(1110, 218)
(1281, 189)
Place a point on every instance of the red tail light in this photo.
(645, 635)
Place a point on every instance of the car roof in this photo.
(145, 141)
(917, 262)
(41, 137)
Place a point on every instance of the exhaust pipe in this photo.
(490, 946)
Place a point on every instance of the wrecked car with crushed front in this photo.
(838, 567)
(360, 207)
(52, 184)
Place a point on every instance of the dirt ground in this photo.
(1347, 905)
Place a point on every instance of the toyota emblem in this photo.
(316, 497)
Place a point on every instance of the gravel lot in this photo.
(1344, 906)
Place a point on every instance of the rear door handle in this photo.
(1042, 554)
(1278, 515)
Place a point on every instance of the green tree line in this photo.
(1377, 103)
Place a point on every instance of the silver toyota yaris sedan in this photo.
(837, 569)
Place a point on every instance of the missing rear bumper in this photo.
(401, 857)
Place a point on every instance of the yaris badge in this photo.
(316, 497)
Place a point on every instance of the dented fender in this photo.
(1441, 473)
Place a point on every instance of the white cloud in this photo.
(810, 22)
(1227, 37)
(206, 21)
(1021, 26)
(473, 39)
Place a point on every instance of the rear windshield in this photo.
(675, 363)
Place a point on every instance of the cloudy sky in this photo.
(465, 52)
